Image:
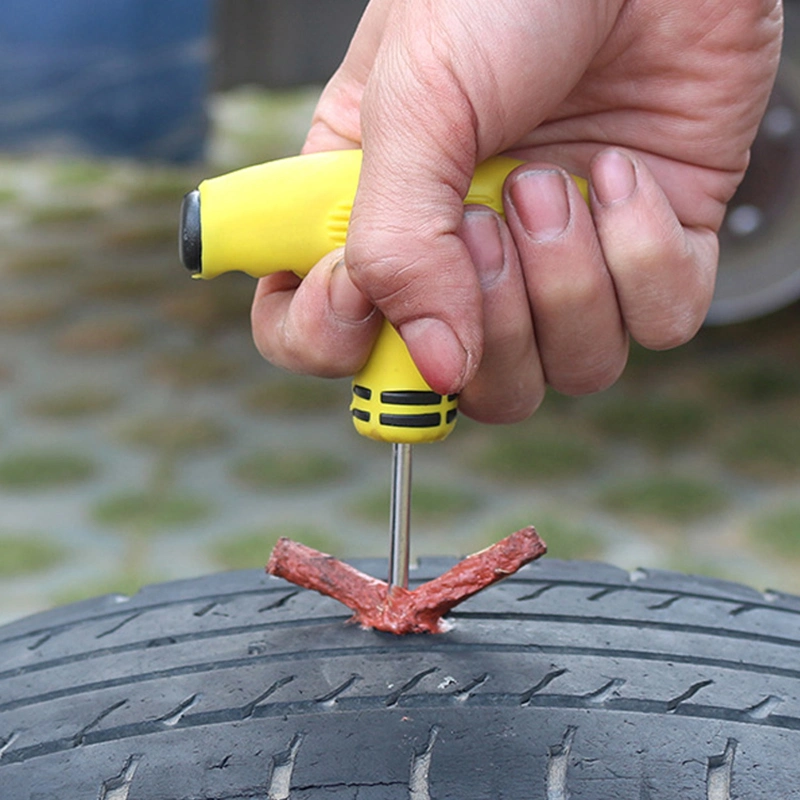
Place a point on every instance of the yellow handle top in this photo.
(286, 215)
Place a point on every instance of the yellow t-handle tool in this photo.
(286, 215)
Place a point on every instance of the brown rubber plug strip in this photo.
(401, 610)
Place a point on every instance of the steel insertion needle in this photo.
(400, 515)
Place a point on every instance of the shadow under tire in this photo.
(568, 680)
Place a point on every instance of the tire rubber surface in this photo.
(569, 680)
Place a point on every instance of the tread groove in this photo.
(557, 765)
(119, 787)
(248, 710)
(639, 624)
(603, 593)
(5, 744)
(763, 709)
(119, 625)
(720, 772)
(280, 602)
(606, 691)
(668, 603)
(538, 593)
(419, 779)
(40, 641)
(201, 612)
(190, 601)
(330, 697)
(310, 622)
(80, 736)
(769, 604)
(173, 717)
(306, 708)
(466, 691)
(281, 769)
(673, 704)
(527, 696)
(299, 656)
(394, 698)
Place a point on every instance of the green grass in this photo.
(45, 469)
(756, 382)
(28, 553)
(644, 361)
(207, 307)
(252, 548)
(536, 452)
(149, 512)
(778, 531)
(37, 263)
(8, 195)
(72, 173)
(257, 125)
(124, 285)
(126, 583)
(69, 404)
(297, 395)
(163, 186)
(764, 446)
(106, 335)
(668, 498)
(176, 434)
(430, 503)
(685, 562)
(28, 313)
(564, 538)
(65, 214)
(289, 468)
(194, 369)
(660, 423)
(134, 239)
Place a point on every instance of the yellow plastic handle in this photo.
(391, 400)
(286, 215)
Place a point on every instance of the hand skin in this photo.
(656, 102)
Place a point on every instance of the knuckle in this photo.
(377, 269)
(505, 391)
(504, 409)
(673, 318)
(566, 289)
(589, 375)
(666, 301)
(583, 382)
(677, 327)
(288, 346)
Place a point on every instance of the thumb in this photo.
(403, 248)
(452, 82)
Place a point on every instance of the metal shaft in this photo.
(400, 510)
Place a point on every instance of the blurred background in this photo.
(143, 439)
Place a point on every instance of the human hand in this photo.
(655, 101)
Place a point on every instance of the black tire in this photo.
(568, 680)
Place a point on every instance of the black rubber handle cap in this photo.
(190, 240)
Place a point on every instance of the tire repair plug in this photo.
(286, 215)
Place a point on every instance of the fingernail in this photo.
(614, 177)
(347, 302)
(445, 359)
(541, 202)
(480, 232)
